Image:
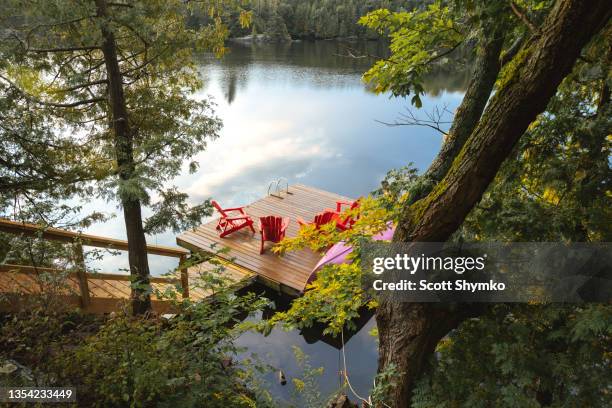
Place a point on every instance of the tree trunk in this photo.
(409, 331)
(137, 244)
(484, 74)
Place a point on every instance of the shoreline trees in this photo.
(311, 19)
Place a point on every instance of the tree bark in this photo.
(408, 332)
(124, 152)
(484, 74)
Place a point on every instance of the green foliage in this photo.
(383, 383)
(56, 139)
(417, 39)
(397, 186)
(428, 37)
(310, 19)
(307, 386)
(34, 338)
(370, 218)
(336, 295)
(334, 299)
(524, 356)
(556, 186)
(172, 212)
(124, 361)
(276, 30)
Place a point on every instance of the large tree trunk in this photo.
(409, 332)
(137, 244)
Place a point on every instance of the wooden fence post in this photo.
(184, 276)
(79, 260)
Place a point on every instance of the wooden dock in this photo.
(104, 292)
(95, 292)
(288, 273)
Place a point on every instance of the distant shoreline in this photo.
(263, 38)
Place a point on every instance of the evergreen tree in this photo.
(109, 84)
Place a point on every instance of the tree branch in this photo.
(64, 49)
(80, 86)
(434, 119)
(32, 98)
(145, 63)
(522, 15)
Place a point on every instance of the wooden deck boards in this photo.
(289, 272)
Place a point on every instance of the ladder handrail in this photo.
(278, 191)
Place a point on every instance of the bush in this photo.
(119, 361)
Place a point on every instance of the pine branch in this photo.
(64, 49)
(80, 86)
(32, 98)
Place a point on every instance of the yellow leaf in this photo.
(299, 384)
(551, 196)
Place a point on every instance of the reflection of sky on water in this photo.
(299, 112)
(302, 113)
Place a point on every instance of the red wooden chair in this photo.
(229, 223)
(272, 229)
(322, 218)
(348, 222)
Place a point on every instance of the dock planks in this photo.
(288, 273)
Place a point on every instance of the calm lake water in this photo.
(299, 111)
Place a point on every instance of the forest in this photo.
(100, 99)
(311, 19)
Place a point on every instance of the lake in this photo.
(299, 111)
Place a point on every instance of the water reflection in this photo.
(324, 351)
(300, 111)
(328, 64)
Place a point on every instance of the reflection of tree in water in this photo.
(442, 79)
(335, 64)
(234, 73)
(232, 81)
(452, 75)
(325, 55)
(280, 303)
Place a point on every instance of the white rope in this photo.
(346, 378)
(344, 372)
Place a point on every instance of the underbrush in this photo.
(187, 359)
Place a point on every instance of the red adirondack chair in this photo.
(346, 223)
(322, 218)
(229, 223)
(272, 229)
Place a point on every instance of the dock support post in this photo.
(184, 276)
(79, 260)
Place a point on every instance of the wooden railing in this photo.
(98, 275)
(56, 234)
(79, 240)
